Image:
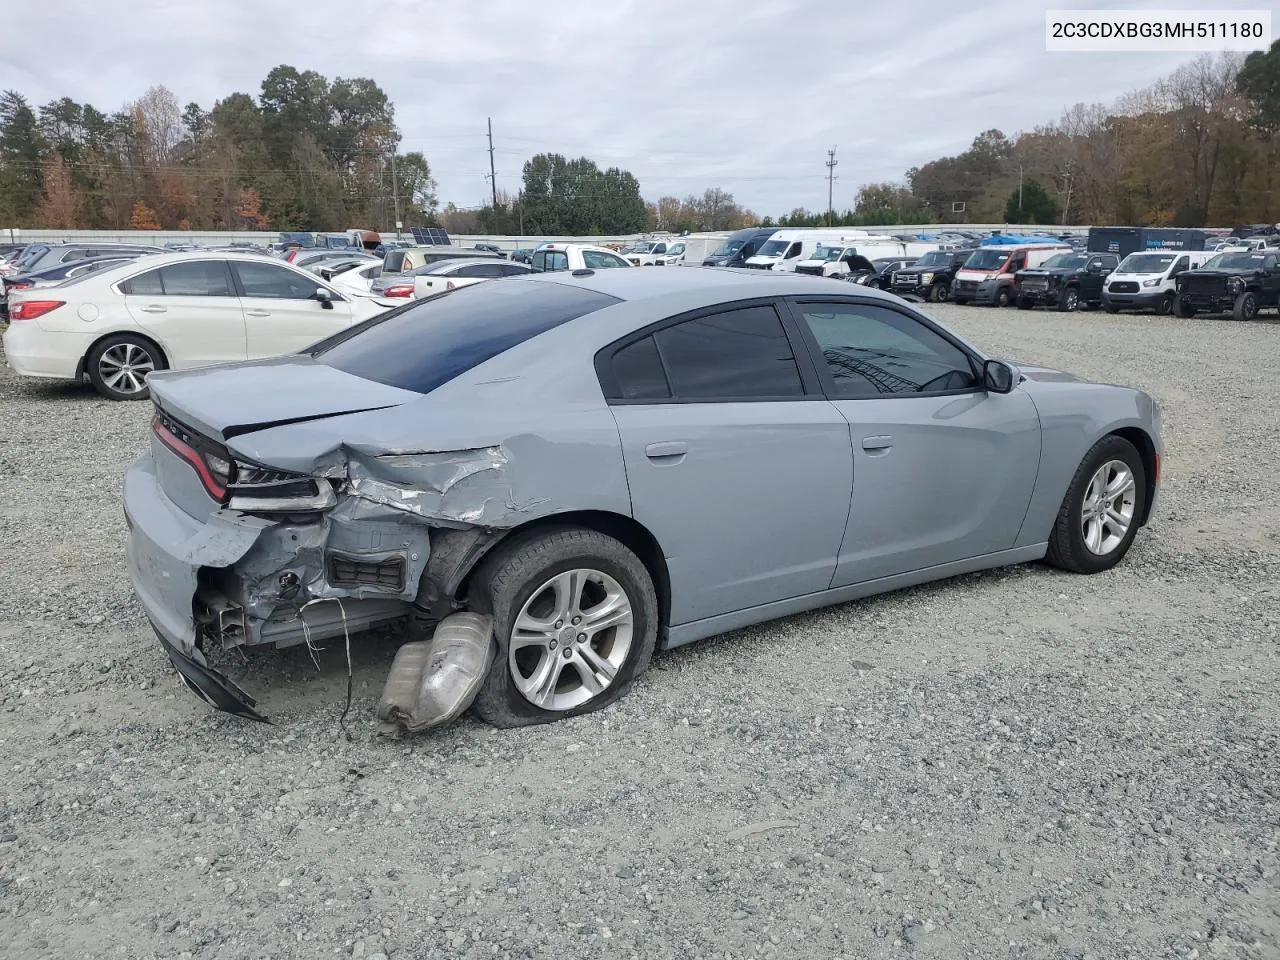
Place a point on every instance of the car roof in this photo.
(697, 283)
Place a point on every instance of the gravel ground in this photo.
(1020, 763)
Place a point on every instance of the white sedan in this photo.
(446, 275)
(172, 311)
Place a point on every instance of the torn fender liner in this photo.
(210, 685)
(432, 682)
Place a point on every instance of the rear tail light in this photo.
(30, 309)
(213, 469)
(399, 290)
(20, 284)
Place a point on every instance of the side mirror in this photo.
(325, 298)
(1094, 268)
(998, 376)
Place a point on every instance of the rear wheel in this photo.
(1183, 309)
(118, 366)
(1246, 306)
(575, 619)
(1069, 300)
(1099, 515)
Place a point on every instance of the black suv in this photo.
(1065, 280)
(930, 276)
(1242, 282)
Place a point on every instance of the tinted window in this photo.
(637, 370)
(872, 351)
(432, 342)
(482, 270)
(205, 278)
(738, 353)
(393, 262)
(514, 269)
(76, 253)
(272, 282)
(145, 284)
(547, 260)
(599, 261)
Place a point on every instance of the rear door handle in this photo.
(257, 313)
(877, 443)
(668, 450)
(154, 308)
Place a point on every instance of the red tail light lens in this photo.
(399, 290)
(213, 469)
(30, 309)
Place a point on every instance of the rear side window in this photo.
(435, 341)
(514, 269)
(144, 285)
(205, 278)
(549, 260)
(735, 354)
(637, 370)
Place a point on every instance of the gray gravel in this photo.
(1015, 764)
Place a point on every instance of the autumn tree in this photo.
(143, 218)
(249, 210)
(58, 204)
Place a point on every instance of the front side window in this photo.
(203, 278)
(736, 354)
(872, 351)
(274, 283)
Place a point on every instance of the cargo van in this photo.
(738, 247)
(1146, 280)
(786, 248)
(833, 260)
(989, 275)
(1123, 241)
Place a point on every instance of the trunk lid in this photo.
(224, 401)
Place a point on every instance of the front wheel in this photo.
(1099, 515)
(1070, 299)
(575, 619)
(1002, 297)
(938, 293)
(1246, 306)
(1183, 309)
(118, 367)
(1165, 306)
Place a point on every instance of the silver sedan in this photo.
(545, 480)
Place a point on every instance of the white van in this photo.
(786, 248)
(1145, 280)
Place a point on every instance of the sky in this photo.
(686, 94)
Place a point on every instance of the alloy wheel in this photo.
(1109, 504)
(124, 367)
(570, 639)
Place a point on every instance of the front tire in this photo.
(118, 366)
(1070, 300)
(1099, 515)
(1246, 306)
(575, 621)
(1183, 309)
(1002, 297)
(938, 293)
(1166, 304)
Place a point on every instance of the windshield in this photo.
(729, 248)
(987, 259)
(935, 259)
(774, 248)
(1146, 263)
(436, 340)
(827, 253)
(1067, 261)
(1236, 261)
(637, 248)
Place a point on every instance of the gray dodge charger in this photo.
(539, 481)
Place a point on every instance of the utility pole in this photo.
(831, 176)
(1019, 189)
(395, 193)
(493, 179)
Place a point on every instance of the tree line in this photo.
(1197, 148)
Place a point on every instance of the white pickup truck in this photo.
(574, 256)
(655, 253)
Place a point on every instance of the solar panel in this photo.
(430, 236)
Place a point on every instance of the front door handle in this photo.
(154, 308)
(667, 450)
(877, 443)
(257, 313)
